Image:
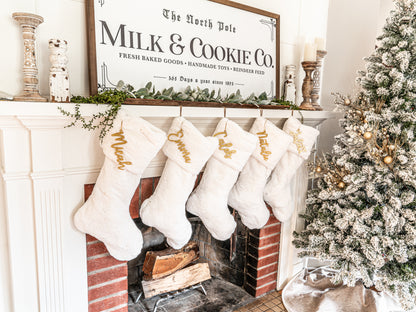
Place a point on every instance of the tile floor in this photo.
(269, 303)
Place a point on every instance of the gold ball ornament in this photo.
(341, 185)
(388, 160)
(318, 169)
(367, 135)
(347, 102)
(391, 147)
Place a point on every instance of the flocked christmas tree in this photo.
(362, 214)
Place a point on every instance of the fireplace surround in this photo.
(249, 259)
(44, 167)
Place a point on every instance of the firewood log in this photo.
(158, 264)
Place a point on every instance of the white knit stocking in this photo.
(277, 192)
(128, 147)
(209, 200)
(247, 194)
(187, 151)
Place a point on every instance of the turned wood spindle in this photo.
(307, 85)
(320, 54)
(58, 72)
(29, 22)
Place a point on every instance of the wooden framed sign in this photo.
(175, 43)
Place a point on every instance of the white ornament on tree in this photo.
(209, 200)
(247, 194)
(187, 151)
(277, 192)
(128, 149)
(58, 73)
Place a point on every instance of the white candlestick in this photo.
(310, 52)
(320, 43)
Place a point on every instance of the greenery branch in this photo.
(116, 97)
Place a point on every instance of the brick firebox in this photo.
(108, 278)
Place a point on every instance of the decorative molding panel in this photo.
(48, 205)
(43, 122)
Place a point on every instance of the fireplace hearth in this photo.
(222, 296)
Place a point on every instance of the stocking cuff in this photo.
(187, 146)
(303, 137)
(132, 142)
(272, 142)
(235, 145)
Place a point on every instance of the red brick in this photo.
(102, 263)
(146, 186)
(108, 303)
(107, 290)
(267, 260)
(259, 273)
(91, 239)
(272, 220)
(265, 289)
(267, 270)
(274, 229)
(269, 240)
(257, 282)
(106, 276)
(135, 203)
(264, 252)
(96, 249)
(88, 190)
(267, 279)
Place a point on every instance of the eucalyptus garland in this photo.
(102, 120)
(116, 97)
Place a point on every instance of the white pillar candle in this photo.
(320, 43)
(310, 52)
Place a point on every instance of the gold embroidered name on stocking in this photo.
(176, 138)
(225, 146)
(298, 141)
(263, 144)
(118, 149)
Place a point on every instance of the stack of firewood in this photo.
(169, 270)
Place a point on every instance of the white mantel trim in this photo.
(48, 110)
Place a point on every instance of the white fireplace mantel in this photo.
(43, 168)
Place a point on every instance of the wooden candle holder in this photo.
(307, 85)
(29, 22)
(320, 54)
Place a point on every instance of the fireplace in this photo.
(44, 167)
(249, 259)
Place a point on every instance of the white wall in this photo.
(352, 29)
(385, 7)
(66, 19)
(63, 19)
